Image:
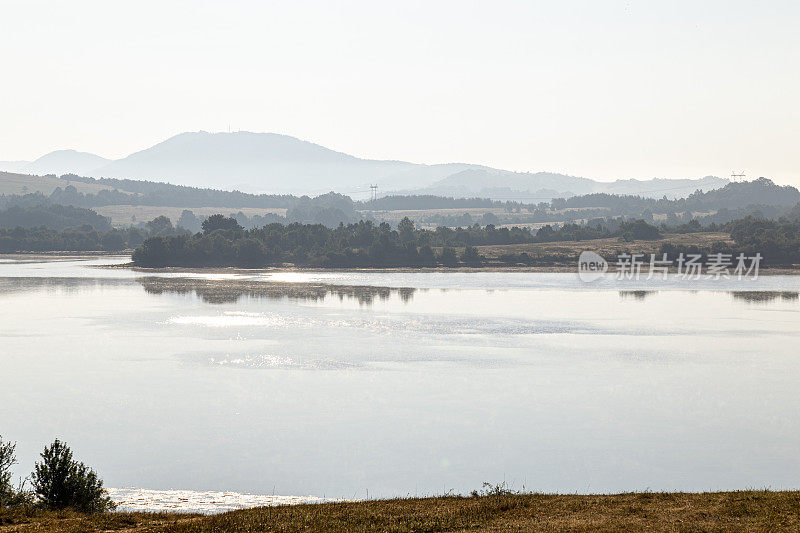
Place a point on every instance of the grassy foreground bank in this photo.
(718, 511)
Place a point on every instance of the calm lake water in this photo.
(335, 384)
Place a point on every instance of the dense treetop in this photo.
(225, 243)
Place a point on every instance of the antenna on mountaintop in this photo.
(373, 195)
(735, 176)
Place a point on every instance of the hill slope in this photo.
(13, 183)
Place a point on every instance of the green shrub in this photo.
(60, 482)
(471, 256)
(638, 230)
(448, 257)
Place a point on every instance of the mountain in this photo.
(265, 162)
(64, 162)
(274, 163)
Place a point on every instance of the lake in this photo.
(348, 385)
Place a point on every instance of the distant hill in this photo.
(503, 184)
(58, 163)
(659, 187)
(273, 163)
(761, 191)
(544, 186)
(264, 162)
(65, 162)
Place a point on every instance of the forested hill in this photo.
(57, 217)
(97, 192)
(761, 191)
(136, 192)
(760, 197)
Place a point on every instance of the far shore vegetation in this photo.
(223, 242)
(417, 231)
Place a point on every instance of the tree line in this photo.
(223, 242)
(242, 241)
(759, 197)
(83, 238)
(53, 216)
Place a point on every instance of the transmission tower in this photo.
(735, 176)
(373, 194)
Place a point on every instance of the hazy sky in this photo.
(595, 88)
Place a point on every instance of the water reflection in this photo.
(636, 295)
(765, 296)
(230, 291)
(572, 387)
(14, 285)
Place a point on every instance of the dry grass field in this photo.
(22, 184)
(605, 247)
(121, 215)
(508, 219)
(673, 512)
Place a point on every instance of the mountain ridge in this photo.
(277, 163)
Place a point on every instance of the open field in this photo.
(606, 247)
(121, 215)
(715, 511)
(507, 218)
(69, 521)
(533, 226)
(450, 211)
(22, 184)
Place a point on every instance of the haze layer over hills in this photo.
(273, 163)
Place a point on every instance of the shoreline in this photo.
(495, 509)
(793, 270)
(555, 268)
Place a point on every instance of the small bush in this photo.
(7, 460)
(638, 230)
(448, 257)
(60, 482)
(500, 489)
(9, 496)
(471, 256)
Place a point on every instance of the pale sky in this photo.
(600, 89)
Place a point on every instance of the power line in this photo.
(629, 193)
